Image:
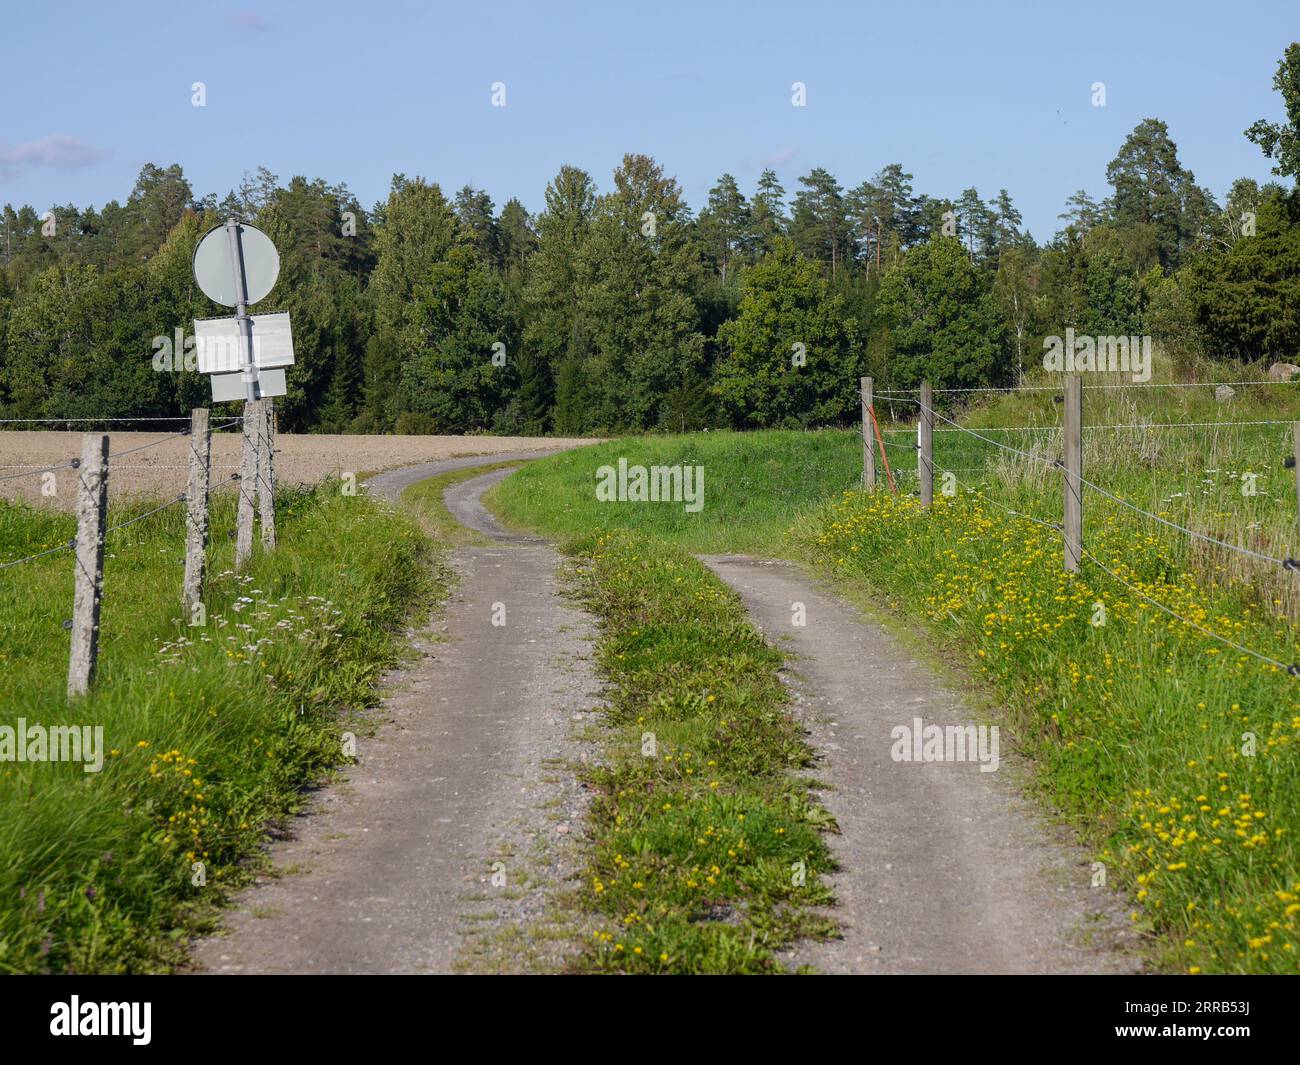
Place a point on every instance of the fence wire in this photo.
(1289, 564)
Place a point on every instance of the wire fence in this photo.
(256, 481)
(92, 421)
(1096, 387)
(72, 464)
(926, 467)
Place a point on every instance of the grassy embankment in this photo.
(210, 732)
(1175, 756)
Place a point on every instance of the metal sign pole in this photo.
(236, 264)
(242, 324)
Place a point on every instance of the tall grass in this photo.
(210, 730)
(753, 482)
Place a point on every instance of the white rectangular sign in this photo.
(216, 342)
(229, 387)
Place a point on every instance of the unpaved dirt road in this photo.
(436, 851)
(944, 868)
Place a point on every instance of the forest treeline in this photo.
(622, 308)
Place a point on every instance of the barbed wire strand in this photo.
(69, 421)
(1291, 669)
(32, 472)
(40, 554)
(1181, 528)
(985, 497)
(1097, 488)
(72, 464)
(147, 514)
(971, 432)
(1101, 425)
(1056, 388)
(122, 525)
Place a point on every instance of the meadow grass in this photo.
(211, 731)
(753, 484)
(707, 849)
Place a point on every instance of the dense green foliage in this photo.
(624, 309)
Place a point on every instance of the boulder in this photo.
(1282, 371)
(1223, 393)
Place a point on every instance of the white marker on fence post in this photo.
(266, 473)
(247, 483)
(868, 452)
(1072, 527)
(196, 508)
(925, 450)
(92, 498)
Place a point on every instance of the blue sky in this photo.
(988, 94)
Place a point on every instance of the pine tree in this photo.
(725, 224)
(820, 224)
(553, 334)
(476, 215)
(767, 212)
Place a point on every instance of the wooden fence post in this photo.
(266, 473)
(868, 445)
(1072, 528)
(1295, 434)
(196, 508)
(92, 499)
(247, 482)
(925, 450)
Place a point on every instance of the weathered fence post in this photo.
(868, 446)
(92, 499)
(1295, 434)
(266, 473)
(247, 482)
(1072, 527)
(196, 508)
(925, 448)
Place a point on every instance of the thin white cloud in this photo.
(247, 22)
(780, 158)
(56, 151)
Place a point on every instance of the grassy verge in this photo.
(209, 732)
(707, 847)
(1176, 756)
(753, 484)
(424, 498)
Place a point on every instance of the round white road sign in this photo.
(214, 269)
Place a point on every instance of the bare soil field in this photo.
(160, 470)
